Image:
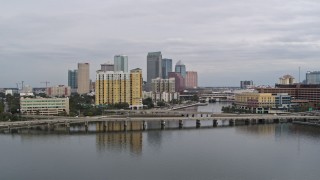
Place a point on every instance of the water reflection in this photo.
(119, 142)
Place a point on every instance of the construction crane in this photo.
(46, 82)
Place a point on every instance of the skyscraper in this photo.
(191, 79)
(166, 67)
(181, 68)
(121, 63)
(179, 81)
(313, 77)
(83, 78)
(154, 67)
(107, 67)
(72, 79)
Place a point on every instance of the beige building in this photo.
(286, 79)
(163, 90)
(116, 87)
(58, 91)
(256, 102)
(44, 106)
(83, 78)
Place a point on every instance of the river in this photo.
(264, 152)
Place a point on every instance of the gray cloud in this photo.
(225, 41)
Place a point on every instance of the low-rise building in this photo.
(58, 91)
(44, 106)
(255, 102)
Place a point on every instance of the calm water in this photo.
(277, 151)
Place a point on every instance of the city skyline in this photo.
(224, 41)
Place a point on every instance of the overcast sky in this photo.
(224, 40)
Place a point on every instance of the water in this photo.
(264, 152)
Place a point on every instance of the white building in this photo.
(44, 106)
(58, 91)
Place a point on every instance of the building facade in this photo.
(164, 90)
(179, 81)
(83, 78)
(286, 79)
(245, 84)
(302, 92)
(313, 77)
(255, 102)
(191, 79)
(154, 67)
(58, 91)
(44, 106)
(121, 63)
(181, 68)
(73, 79)
(107, 67)
(166, 67)
(118, 87)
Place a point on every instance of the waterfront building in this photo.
(58, 91)
(286, 79)
(313, 77)
(73, 79)
(255, 102)
(301, 92)
(246, 84)
(118, 87)
(282, 101)
(83, 78)
(179, 81)
(166, 67)
(107, 67)
(121, 63)
(181, 68)
(44, 106)
(191, 79)
(154, 67)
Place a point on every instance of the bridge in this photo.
(132, 123)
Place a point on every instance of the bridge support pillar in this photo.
(104, 127)
(231, 122)
(247, 121)
(163, 124)
(180, 124)
(198, 123)
(50, 127)
(215, 123)
(125, 125)
(144, 125)
(86, 126)
(67, 127)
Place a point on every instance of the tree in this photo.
(195, 98)
(161, 103)
(148, 102)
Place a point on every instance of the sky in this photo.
(224, 41)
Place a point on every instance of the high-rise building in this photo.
(154, 67)
(118, 87)
(179, 81)
(107, 67)
(166, 67)
(163, 85)
(245, 84)
(191, 79)
(181, 68)
(83, 78)
(313, 77)
(73, 79)
(121, 63)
